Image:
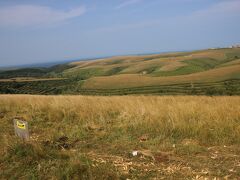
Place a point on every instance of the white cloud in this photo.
(127, 3)
(28, 15)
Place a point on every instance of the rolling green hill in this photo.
(211, 72)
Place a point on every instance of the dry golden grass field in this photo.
(92, 137)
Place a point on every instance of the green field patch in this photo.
(233, 54)
(149, 70)
(193, 66)
(25, 72)
(117, 61)
(230, 57)
(70, 86)
(82, 74)
(229, 87)
(167, 56)
(114, 71)
(54, 71)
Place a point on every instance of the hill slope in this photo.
(213, 71)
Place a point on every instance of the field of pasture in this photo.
(93, 137)
(202, 72)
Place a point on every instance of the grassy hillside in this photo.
(183, 63)
(84, 137)
(136, 80)
(160, 74)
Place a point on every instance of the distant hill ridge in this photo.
(211, 71)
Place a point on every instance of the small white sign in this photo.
(21, 129)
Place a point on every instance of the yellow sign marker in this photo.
(21, 125)
(21, 129)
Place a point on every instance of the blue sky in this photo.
(51, 30)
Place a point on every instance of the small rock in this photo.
(135, 153)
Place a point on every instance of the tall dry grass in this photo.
(209, 120)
